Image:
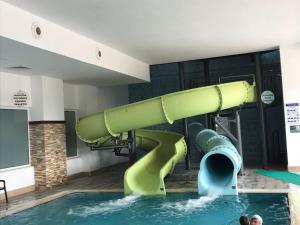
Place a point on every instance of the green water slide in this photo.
(167, 147)
(146, 176)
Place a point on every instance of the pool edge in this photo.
(293, 199)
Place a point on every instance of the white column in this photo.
(290, 66)
(47, 99)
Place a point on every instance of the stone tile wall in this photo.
(48, 153)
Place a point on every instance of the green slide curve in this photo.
(146, 176)
(164, 109)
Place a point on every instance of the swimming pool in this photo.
(175, 208)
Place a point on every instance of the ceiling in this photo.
(45, 63)
(176, 30)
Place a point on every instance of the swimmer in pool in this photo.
(256, 220)
(244, 220)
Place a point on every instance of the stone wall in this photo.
(48, 153)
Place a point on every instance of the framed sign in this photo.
(292, 117)
(292, 113)
(20, 98)
(267, 97)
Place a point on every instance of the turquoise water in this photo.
(175, 209)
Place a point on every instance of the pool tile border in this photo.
(33, 203)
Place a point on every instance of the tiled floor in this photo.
(182, 178)
(111, 179)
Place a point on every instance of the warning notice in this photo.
(20, 99)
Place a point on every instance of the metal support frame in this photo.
(184, 121)
(230, 135)
(237, 141)
(95, 147)
(239, 137)
(209, 122)
(132, 146)
(119, 145)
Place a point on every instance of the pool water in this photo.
(175, 209)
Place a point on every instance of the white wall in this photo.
(53, 99)
(74, 165)
(17, 178)
(70, 96)
(63, 41)
(85, 100)
(9, 84)
(113, 96)
(47, 99)
(37, 110)
(290, 66)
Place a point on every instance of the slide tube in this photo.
(146, 176)
(164, 109)
(221, 163)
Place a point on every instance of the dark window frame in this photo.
(76, 143)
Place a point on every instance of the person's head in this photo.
(244, 220)
(256, 220)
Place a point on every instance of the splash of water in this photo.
(104, 207)
(192, 204)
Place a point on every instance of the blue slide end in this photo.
(221, 163)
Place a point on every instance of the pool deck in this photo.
(110, 179)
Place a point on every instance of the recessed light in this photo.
(36, 30)
(98, 53)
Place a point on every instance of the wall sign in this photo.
(292, 114)
(20, 98)
(267, 97)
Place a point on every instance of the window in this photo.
(71, 138)
(14, 149)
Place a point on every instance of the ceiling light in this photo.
(98, 53)
(36, 30)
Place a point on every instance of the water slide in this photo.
(164, 109)
(146, 176)
(221, 163)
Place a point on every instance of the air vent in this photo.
(19, 68)
(36, 30)
(98, 53)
